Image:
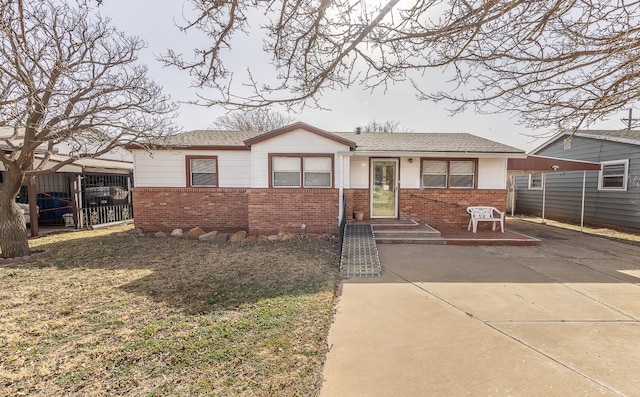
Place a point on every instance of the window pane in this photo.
(613, 181)
(613, 170)
(203, 172)
(317, 179)
(286, 163)
(286, 179)
(203, 165)
(203, 179)
(536, 180)
(317, 164)
(461, 167)
(434, 180)
(461, 181)
(434, 167)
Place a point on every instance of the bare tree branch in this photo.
(559, 64)
(252, 120)
(67, 76)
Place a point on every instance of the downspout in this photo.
(340, 188)
(584, 183)
(544, 195)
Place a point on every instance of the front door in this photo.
(384, 188)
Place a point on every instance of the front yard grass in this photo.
(109, 314)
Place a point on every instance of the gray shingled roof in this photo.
(366, 141)
(628, 136)
(210, 138)
(425, 142)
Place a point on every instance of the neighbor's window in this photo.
(455, 174)
(202, 171)
(301, 171)
(613, 175)
(535, 181)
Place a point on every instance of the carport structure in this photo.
(543, 165)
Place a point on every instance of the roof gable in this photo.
(297, 126)
(631, 137)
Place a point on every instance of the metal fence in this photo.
(81, 200)
(104, 198)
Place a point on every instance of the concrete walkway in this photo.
(559, 319)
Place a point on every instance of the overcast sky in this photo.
(154, 21)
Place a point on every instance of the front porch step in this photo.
(420, 234)
(411, 240)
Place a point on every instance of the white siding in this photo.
(359, 175)
(492, 173)
(298, 141)
(410, 173)
(167, 168)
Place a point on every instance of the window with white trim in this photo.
(202, 171)
(301, 171)
(536, 181)
(454, 174)
(613, 175)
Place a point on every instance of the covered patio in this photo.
(544, 165)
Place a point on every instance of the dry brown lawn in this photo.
(107, 314)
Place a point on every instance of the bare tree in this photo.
(252, 120)
(67, 77)
(554, 63)
(387, 126)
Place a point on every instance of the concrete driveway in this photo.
(559, 319)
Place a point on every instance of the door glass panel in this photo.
(383, 188)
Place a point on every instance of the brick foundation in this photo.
(274, 210)
(440, 208)
(222, 209)
(267, 211)
(259, 211)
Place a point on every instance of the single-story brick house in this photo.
(300, 175)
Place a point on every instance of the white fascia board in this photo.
(440, 154)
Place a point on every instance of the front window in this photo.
(302, 171)
(613, 175)
(202, 171)
(286, 172)
(454, 174)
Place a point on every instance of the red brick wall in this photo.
(446, 208)
(358, 200)
(440, 208)
(266, 211)
(274, 210)
(222, 209)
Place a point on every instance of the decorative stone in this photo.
(222, 237)
(238, 236)
(160, 235)
(195, 233)
(288, 236)
(177, 233)
(250, 239)
(273, 237)
(211, 236)
(263, 238)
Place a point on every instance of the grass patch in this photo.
(107, 314)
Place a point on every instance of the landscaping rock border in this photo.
(35, 254)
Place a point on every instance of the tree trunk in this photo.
(13, 230)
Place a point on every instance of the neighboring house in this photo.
(93, 190)
(612, 195)
(296, 177)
